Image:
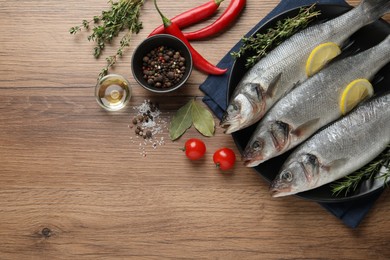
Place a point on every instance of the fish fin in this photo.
(375, 9)
(273, 86)
(335, 164)
(303, 128)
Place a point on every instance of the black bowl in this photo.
(152, 43)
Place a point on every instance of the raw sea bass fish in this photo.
(312, 105)
(284, 67)
(338, 150)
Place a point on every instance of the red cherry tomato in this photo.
(224, 158)
(194, 148)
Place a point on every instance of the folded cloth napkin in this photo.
(351, 213)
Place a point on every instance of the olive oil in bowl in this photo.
(113, 92)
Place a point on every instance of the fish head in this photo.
(270, 139)
(297, 175)
(245, 108)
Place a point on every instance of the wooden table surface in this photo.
(74, 183)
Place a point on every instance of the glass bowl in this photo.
(113, 92)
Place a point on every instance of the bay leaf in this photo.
(181, 121)
(202, 119)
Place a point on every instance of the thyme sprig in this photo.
(261, 43)
(371, 170)
(122, 15)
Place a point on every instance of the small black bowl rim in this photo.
(189, 67)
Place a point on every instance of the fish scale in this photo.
(314, 104)
(340, 149)
(284, 67)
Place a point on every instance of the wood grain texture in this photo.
(73, 182)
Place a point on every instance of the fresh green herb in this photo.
(122, 15)
(203, 120)
(192, 113)
(260, 44)
(371, 170)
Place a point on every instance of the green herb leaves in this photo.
(371, 170)
(192, 113)
(202, 119)
(261, 43)
(181, 121)
(123, 14)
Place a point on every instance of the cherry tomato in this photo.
(194, 148)
(224, 158)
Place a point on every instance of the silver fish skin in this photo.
(338, 150)
(312, 105)
(284, 67)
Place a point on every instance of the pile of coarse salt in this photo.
(149, 127)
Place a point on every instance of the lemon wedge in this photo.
(320, 55)
(354, 93)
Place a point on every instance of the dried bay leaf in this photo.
(202, 119)
(181, 121)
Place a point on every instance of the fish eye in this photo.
(287, 176)
(235, 106)
(256, 145)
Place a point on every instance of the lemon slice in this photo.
(354, 93)
(320, 55)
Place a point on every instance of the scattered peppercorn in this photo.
(163, 67)
(144, 118)
(148, 134)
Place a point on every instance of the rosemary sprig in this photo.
(261, 43)
(371, 170)
(123, 14)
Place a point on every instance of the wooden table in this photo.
(74, 183)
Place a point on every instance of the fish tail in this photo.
(374, 9)
(386, 41)
(385, 45)
(384, 48)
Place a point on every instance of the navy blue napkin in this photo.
(215, 88)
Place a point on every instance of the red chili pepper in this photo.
(227, 17)
(192, 16)
(199, 62)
